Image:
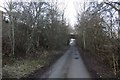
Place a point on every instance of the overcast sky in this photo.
(70, 13)
(71, 7)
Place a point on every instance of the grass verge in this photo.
(26, 67)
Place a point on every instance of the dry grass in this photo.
(23, 68)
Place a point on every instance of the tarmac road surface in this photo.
(70, 65)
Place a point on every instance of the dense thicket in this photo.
(98, 33)
(32, 27)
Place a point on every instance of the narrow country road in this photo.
(70, 65)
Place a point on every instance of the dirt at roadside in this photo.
(37, 73)
(95, 66)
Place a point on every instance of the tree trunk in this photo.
(114, 65)
(84, 39)
(12, 33)
(119, 39)
(119, 25)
